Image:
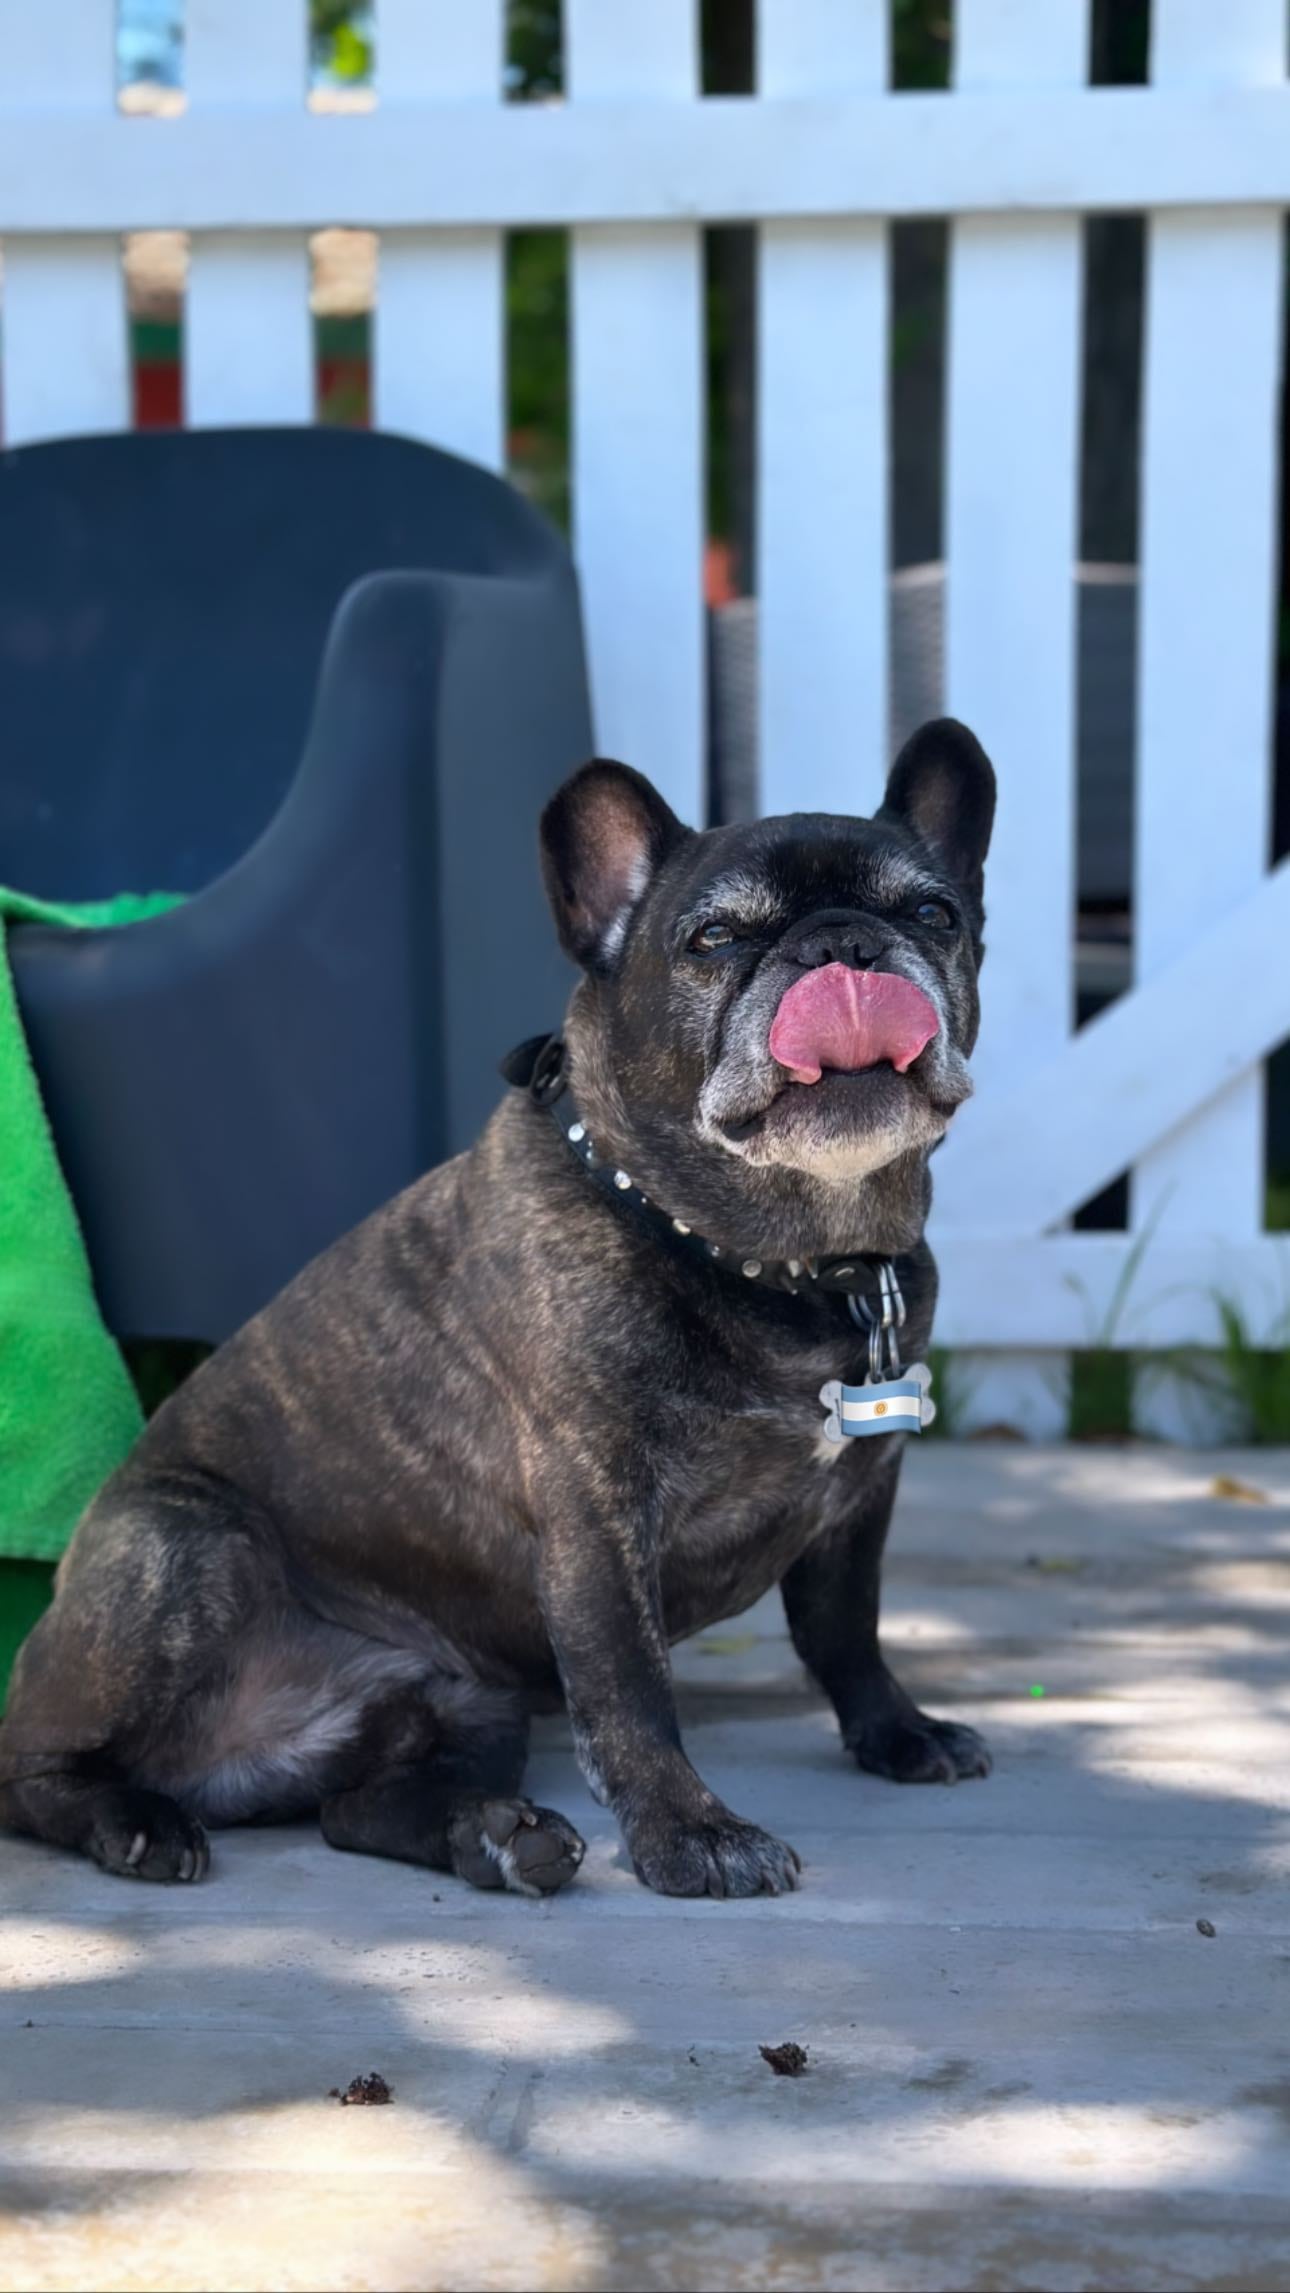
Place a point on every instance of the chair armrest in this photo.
(233, 1084)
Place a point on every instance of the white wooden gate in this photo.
(633, 163)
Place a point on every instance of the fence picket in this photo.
(248, 336)
(66, 364)
(439, 348)
(66, 343)
(637, 364)
(63, 53)
(822, 451)
(1209, 490)
(1013, 396)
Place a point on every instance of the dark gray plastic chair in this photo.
(322, 682)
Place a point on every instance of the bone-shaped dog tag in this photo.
(884, 1405)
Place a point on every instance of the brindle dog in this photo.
(522, 1429)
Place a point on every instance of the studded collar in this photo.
(869, 1282)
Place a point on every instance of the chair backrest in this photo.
(164, 601)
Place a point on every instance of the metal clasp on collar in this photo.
(549, 1076)
(882, 1322)
(892, 1399)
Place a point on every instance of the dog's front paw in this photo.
(910, 1747)
(716, 1854)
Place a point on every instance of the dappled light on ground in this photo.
(1028, 2067)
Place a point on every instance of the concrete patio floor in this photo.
(1027, 2068)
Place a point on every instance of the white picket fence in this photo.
(633, 162)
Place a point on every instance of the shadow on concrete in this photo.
(1027, 2067)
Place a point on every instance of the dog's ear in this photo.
(603, 835)
(941, 788)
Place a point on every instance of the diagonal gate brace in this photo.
(1023, 1159)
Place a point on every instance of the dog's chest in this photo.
(755, 1487)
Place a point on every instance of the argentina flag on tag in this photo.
(888, 1405)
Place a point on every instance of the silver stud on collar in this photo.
(880, 1322)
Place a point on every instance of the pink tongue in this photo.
(836, 1017)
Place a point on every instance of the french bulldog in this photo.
(558, 1405)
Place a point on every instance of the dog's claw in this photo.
(143, 1835)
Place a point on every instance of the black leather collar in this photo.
(540, 1067)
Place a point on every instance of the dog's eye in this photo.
(709, 937)
(935, 913)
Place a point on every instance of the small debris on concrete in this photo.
(1206, 1927)
(787, 2061)
(1240, 1492)
(370, 2089)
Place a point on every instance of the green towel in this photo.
(68, 1412)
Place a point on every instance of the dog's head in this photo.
(774, 1014)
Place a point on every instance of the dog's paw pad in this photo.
(510, 1843)
(913, 1748)
(144, 1835)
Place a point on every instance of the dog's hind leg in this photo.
(136, 1833)
(155, 1591)
(454, 1804)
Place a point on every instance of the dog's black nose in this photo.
(837, 935)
